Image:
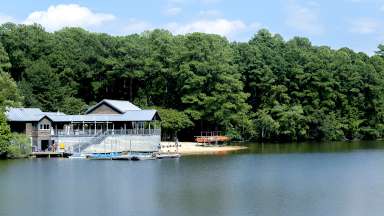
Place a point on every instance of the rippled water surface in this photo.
(292, 179)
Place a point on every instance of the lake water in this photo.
(301, 180)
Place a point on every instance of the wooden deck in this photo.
(49, 154)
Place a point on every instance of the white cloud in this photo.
(224, 27)
(6, 18)
(365, 26)
(172, 11)
(137, 26)
(67, 15)
(304, 18)
(232, 29)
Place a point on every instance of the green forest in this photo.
(266, 89)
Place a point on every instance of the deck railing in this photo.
(90, 133)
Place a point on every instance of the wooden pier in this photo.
(49, 154)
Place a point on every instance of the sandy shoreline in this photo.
(191, 148)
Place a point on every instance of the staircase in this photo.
(97, 139)
(141, 139)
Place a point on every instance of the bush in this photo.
(368, 133)
(5, 134)
(20, 146)
(173, 121)
(332, 128)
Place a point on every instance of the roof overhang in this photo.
(130, 116)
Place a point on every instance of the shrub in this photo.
(20, 146)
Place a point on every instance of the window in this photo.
(44, 127)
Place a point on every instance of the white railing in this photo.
(100, 137)
(90, 133)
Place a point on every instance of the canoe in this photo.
(212, 139)
(171, 155)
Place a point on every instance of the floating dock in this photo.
(106, 156)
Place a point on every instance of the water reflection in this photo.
(312, 147)
(263, 180)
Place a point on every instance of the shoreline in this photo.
(191, 148)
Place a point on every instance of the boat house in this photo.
(108, 126)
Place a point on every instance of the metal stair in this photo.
(101, 136)
(97, 139)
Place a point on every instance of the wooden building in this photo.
(51, 131)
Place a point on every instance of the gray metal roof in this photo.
(54, 113)
(134, 115)
(120, 105)
(24, 114)
(35, 114)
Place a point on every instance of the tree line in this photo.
(267, 89)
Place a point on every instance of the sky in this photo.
(357, 24)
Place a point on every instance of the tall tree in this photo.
(5, 65)
(212, 91)
(5, 134)
(9, 93)
(41, 87)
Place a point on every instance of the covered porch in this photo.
(95, 128)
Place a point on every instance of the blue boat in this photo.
(103, 156)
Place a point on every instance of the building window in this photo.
(44, 127)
